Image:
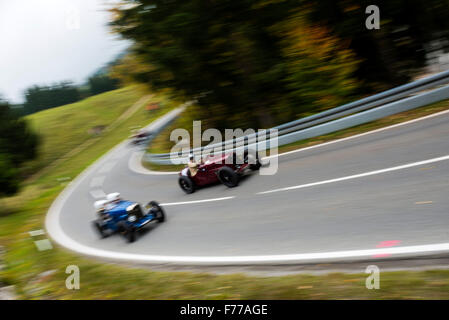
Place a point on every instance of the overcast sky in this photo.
(45, 41)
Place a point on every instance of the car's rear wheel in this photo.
(160, 214)
(127, 230)
(228, 177)
(186, 184)
(100, 229)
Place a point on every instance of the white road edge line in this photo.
(135, 164)
(196, 201)
(360, 175)
(360, 134)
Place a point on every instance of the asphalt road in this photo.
(400, 207)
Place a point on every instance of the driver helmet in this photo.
(100, 206)
(113, 197)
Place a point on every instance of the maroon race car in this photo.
(216, 169)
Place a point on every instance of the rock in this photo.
(7, 293)
(35, 286)
(44, 276)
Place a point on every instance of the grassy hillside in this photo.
(64, 128)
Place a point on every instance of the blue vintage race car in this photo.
(125, 217)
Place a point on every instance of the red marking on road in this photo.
(386, 244)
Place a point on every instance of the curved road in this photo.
(370, 196)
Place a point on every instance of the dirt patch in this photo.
(96, 130)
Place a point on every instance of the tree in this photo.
(320, 67)
(397, 51)
(236, 51)
(101, 83)
(39, 98)
(230, 50)
(9, 178)
(17, 145)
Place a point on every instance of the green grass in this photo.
(64, 128)
(100, 280)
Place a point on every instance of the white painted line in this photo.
(43, 245)
(135, 164)
(196, 201)
(107, 167)
(36, 233)
(97, 181)
(360, 134)
(360, 175)
(424, 202)
(97, 194)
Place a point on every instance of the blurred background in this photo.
(268, 62)
(248, 64)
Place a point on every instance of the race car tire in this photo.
(128, 231)
(186, 184)
(160, 215)
(98, 226)
(131, 235)
(228, 177)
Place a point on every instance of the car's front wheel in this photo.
(159, 212)
(127, 230)
(228, 177)
(186, 184)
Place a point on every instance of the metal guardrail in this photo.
(396, 100)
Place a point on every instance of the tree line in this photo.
(18, 144)
(263, 62)
(41, 97)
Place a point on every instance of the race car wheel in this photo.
(160, 214)
(228, 177)
(128, 231)
(131, 235)
(99, 227)
(186, 184)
